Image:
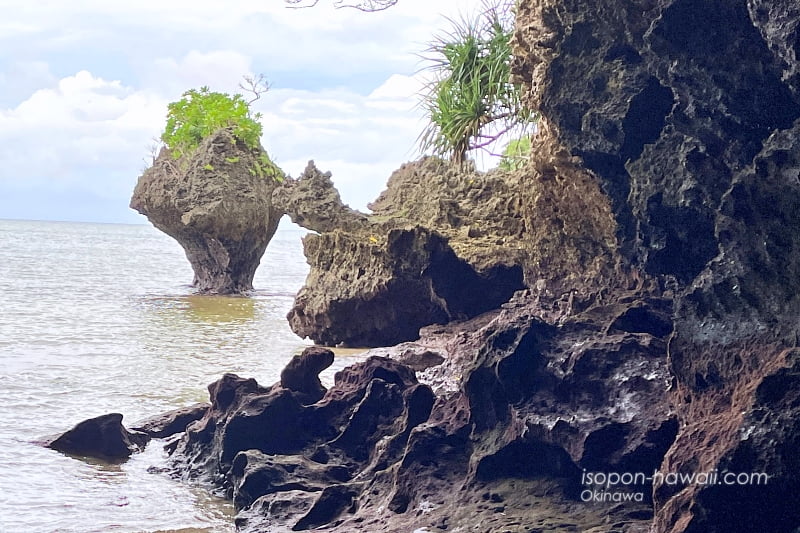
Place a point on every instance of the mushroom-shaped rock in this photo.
(103, 437)
(302, 372)
(217, 203)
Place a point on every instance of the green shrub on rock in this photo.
(200, 113)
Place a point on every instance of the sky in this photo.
(84, 88)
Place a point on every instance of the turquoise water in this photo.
(98, 318)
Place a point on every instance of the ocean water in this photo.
(99, 318)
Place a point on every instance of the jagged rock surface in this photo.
(686, 112)
(658, 232)
(539, 400)
(479, 213)
(302, 373)
(376, 280)
(313, 202)
(217, 206)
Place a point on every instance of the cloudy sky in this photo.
(84, 87)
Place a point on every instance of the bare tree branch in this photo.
(491, 138)
(255, 85)
(363, 5)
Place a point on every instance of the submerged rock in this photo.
(103, 437)
(217, 203)
(172, 422)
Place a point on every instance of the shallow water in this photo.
(99, 318)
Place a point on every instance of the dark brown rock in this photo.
(262, 444)
(332, 502)
(255, 475)
(537, 399)
(302, 373)
(172, 422)
(103, 437)
(218, 205)
(279, 508)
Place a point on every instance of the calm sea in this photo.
(99, 318)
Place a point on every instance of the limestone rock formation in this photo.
(478, 213)
(686, 113)
(442, 245)
(313, 202)
(103, 437)
(658, 233)
(217, 203)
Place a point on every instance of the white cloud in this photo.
(83, 123)
(360, 139)
(89, 83)
(220, 69)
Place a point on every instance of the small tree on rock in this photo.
(471, 101)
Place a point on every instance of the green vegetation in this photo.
(265, 168)
(516, 153)
(200, 113)
(471, 101)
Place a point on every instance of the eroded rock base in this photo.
(217, 203)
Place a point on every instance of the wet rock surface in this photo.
(217, 205)
(686, 113)
(103, 437)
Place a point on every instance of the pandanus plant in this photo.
(471, 101)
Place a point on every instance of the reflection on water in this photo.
(221, 309)
(98, 319)
(204, 308)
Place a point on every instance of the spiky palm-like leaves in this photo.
(471, 100)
